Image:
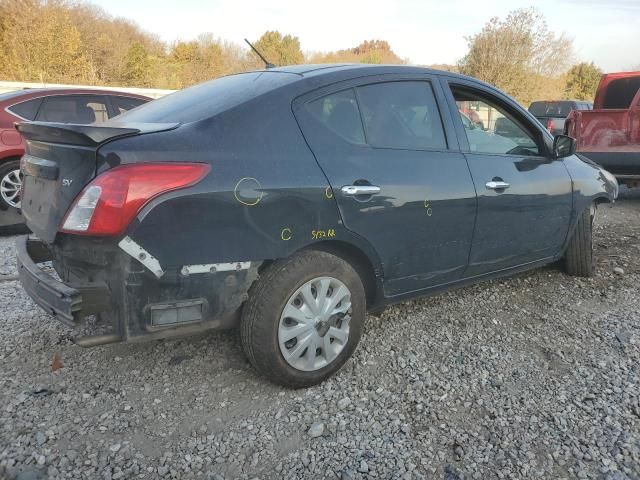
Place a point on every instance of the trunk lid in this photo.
(60, 160)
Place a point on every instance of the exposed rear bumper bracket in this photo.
(68, 302)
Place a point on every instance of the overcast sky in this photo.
(423, 31)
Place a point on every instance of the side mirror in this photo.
(563, 146)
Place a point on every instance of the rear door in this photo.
(524, 197)
(391, 158)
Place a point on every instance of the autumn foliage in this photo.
(66, 41)
(57, 41)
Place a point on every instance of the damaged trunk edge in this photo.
(139, 299)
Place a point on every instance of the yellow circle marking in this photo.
(328, 192)
(286, 234)
(235, 192)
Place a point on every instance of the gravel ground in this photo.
(533, 376)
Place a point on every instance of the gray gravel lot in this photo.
(535, 376)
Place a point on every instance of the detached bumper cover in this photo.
(67, 302)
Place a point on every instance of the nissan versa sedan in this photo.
(290, 201)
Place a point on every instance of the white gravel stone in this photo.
(316, 429)
(534, 376)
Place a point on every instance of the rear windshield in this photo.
(620, 92)
(207, 99)
(551, 109)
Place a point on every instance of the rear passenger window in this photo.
(79, 109)
(339, 113)
(401, 115)
(26, 110)
(124, 104)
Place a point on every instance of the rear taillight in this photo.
(109, 203)
(550, 125)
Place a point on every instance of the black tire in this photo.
(5, 168)
(267, 298)
(578, 258)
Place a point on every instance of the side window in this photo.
(491, 128)
(81, 109)
(124, 104)
(401, 115)
(27, 110)
(339, 113)
(99, 107)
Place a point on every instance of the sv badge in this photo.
(66, 182)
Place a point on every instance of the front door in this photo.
(395, 177)
(524, 196)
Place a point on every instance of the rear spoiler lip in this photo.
(92, 135)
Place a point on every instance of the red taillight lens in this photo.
(550, 125)
(108, 204)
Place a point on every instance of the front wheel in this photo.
(303, 319)
(579, 256)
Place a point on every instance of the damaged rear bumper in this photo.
(134, 302)
(67, 302)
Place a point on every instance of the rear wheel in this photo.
(10, 184)
(579, 256)
(303, 319)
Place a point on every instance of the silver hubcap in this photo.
(314, 325)
(10, 186)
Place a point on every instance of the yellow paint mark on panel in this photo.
(427, 206)
(286, 234)
(318, 234)
(248, 191)
(328, 193)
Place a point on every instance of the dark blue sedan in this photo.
(290, 201)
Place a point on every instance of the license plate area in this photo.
(53, 176)
(39, 198)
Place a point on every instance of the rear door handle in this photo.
(360, 190)
(494, 185)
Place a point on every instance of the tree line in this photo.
(61, 41)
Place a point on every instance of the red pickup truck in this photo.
(610, 133)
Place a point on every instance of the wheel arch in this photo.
(585, 204)
(367, 269)
(10, 158)
(598, 199)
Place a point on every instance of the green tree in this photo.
(105, 42)
(278, 49)
(138, 66)
(582, 81)
(39, 42)
(369, 51)
(520, 55)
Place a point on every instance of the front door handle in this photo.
(360, 190)
(495, 185)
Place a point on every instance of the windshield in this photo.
(207, 99)
(551, 109)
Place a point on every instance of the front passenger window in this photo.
(490, 128)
